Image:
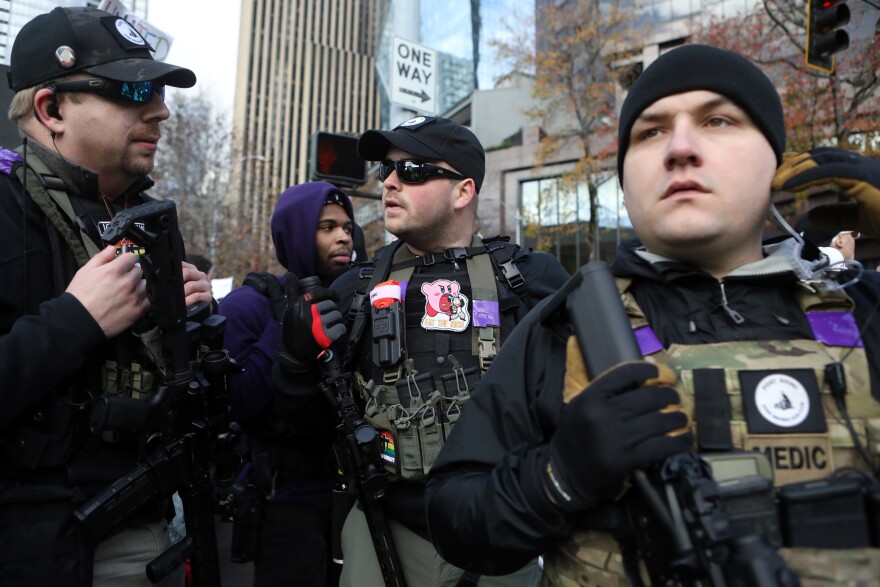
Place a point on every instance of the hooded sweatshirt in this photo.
(253, 336)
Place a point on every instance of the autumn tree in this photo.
(577, 53)
(842, 109)
(193, 169)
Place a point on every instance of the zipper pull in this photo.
(733, 314)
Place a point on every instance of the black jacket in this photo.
(487, 510)
(50, 346)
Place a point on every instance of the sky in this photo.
(205, 40)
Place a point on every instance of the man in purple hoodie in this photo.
(291, 468)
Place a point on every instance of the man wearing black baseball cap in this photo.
(440, 300)
(88, 103)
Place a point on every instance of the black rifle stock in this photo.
(187, 416)
(682, 533)
(359, 444)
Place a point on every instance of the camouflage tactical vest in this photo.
(780, 405)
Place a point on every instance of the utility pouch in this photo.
(456, 389)
(419, 434)
(409, 455)
(414, 390)
(745, 484)
(751, 507)
(250, 505)
(828, 513)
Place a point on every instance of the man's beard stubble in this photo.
(328, 275)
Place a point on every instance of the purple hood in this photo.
(295, 220)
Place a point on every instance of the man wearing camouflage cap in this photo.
(88, 103)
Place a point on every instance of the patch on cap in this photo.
(124, 33)
(66, 56)
(414, 122)
(333, 198)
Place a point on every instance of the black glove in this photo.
(312, 322)
(617, 425)
(857, 176)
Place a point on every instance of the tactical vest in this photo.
(47, 436)
(456, 311)
(769, 396)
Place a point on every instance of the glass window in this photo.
(555, 219)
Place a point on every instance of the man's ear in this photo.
(465, 194)
(47, 112)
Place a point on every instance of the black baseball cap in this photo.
(82, 39)
(438, 139)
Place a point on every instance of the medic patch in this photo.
(797, 457)
(446, 308)
(782, 402)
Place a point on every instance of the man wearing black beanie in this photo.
(754, 357)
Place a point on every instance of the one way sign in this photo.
(413, 76)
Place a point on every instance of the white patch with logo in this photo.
(413, 121)
(446, 308)
(782, 400)
(126, 30)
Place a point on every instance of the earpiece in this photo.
(52, 110)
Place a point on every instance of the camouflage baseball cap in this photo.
(69, 40)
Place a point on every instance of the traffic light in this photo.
(333, 157)
(824, 39)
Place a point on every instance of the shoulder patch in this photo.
(7, 160)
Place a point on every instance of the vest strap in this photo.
(48, 193)
(485, 339)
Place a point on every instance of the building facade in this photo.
(303, 67)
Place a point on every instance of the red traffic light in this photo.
(824, 18)
(334, 158)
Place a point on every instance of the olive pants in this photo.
(122, 558)
(422, 566)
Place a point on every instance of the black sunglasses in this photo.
(409, 171)
(137, 92)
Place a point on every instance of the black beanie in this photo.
(700, 67)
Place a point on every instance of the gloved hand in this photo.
(624, 420)
(311, 323)
(857, 176)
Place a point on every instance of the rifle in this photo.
(185, 420)
(682, 531)
(359, 442)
